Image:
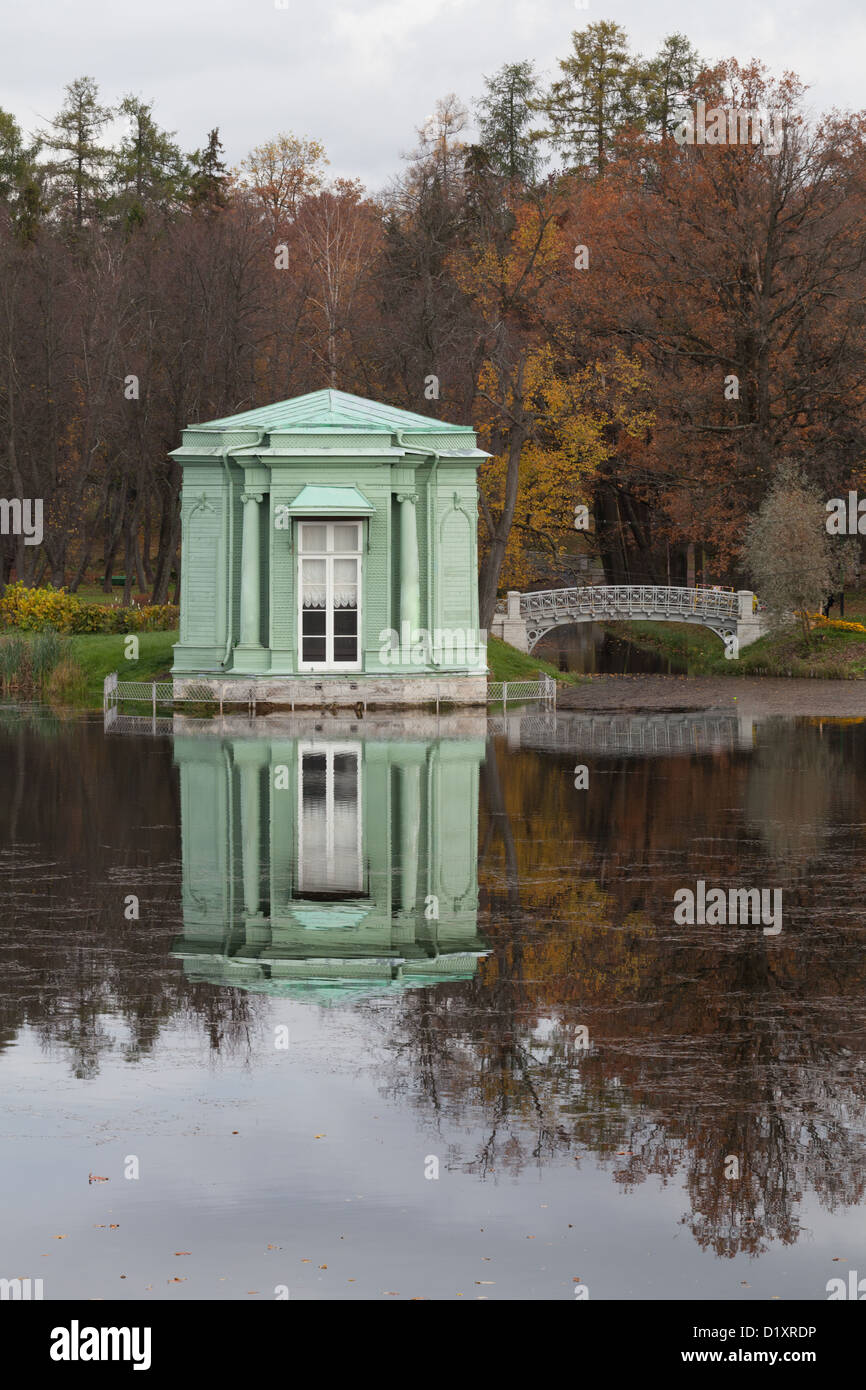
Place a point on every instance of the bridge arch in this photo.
(529, 617)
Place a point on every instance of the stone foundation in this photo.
(340, 692)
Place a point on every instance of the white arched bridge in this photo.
(526, 618)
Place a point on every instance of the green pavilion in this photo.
(329, 555)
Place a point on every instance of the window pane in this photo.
(345, 649)
(314, 537)
(313, 621)
(345, 622)
(345, 583)
(313, 649)
(313, 583)
(346, 537)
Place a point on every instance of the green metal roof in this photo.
(326, 410)
(318, 501)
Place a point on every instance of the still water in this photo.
(588, 649)
(363, 1011)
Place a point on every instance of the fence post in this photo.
(504, 694)
(153, 692)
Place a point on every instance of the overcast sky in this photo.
(361, 75)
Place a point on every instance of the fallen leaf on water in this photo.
(114, 1225)
(323, 1266)
(273, 1247)
(176, 1280)
(66, 1237)
(183, 1252)
(94, 1177)
(320, 1136)
(390, 1293)
(306, 1262)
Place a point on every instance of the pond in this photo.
(591, 649)
(403, 1010)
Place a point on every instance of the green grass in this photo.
(98, 653)
(506, 663)
(831, 655)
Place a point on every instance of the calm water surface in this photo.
(287, 974)
(588, 649)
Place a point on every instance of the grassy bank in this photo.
(70, 670)
(508, 664)
(830, 654)
(89, 657)
(99, 653)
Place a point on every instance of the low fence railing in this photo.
(221, 693)
(543, 689)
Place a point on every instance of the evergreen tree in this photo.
(598, 94)
(148, 169)
(209, 179)
(78, 176)
(19, 177)
(504, 113)
(666, 82)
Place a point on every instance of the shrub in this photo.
(32, 610)
(35, 610)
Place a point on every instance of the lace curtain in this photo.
(315, 596)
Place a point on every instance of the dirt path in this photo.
(753, 696)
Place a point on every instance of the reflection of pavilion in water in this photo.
(314, 858)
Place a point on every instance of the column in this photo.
(410, 824)
(410, 580)
(250, 576)
(249, 756)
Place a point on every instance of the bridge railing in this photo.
(632, 599)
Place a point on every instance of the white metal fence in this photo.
(543, 689)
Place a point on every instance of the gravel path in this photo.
(753, 696)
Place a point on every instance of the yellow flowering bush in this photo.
(35, 610)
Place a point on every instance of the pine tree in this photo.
(148, 169)
(78, 177)
(596, 96)
(504, 113)
(209, 180)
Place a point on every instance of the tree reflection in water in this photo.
(705, 1043)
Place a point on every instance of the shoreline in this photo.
(755, 695)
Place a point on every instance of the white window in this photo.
(330, 865)
(329, 595)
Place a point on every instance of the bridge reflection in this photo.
(629, 734)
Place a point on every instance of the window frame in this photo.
(329, 555)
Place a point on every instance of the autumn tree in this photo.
(281, 173)
(786, 548)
